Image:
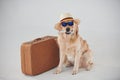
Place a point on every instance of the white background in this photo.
(22, 20)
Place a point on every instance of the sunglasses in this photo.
(70, 23)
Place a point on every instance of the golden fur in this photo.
(73, 49)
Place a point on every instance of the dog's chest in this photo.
(70, 52)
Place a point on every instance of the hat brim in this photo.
(67, 18)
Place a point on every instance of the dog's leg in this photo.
(88, 62)
(76, 63)
(62, 59)
(80, 63)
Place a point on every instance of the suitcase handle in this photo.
(44, 38)
(38, 39)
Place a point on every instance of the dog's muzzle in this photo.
(68, 31)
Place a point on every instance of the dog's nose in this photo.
(68, 29)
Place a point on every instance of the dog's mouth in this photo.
(69, 32)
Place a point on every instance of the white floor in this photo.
(106, 66)
(22, 20)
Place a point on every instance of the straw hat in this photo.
(65, 16)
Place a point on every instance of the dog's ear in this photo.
(77, 31)
(77, 21)
(58, 27)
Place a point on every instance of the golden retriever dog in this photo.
(73, 49)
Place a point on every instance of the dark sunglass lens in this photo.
(70, 23)
(64, 24)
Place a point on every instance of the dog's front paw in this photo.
(74, 72)
(58, 71)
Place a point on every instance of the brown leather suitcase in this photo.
(39, 55)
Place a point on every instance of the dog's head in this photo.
(68, 26)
